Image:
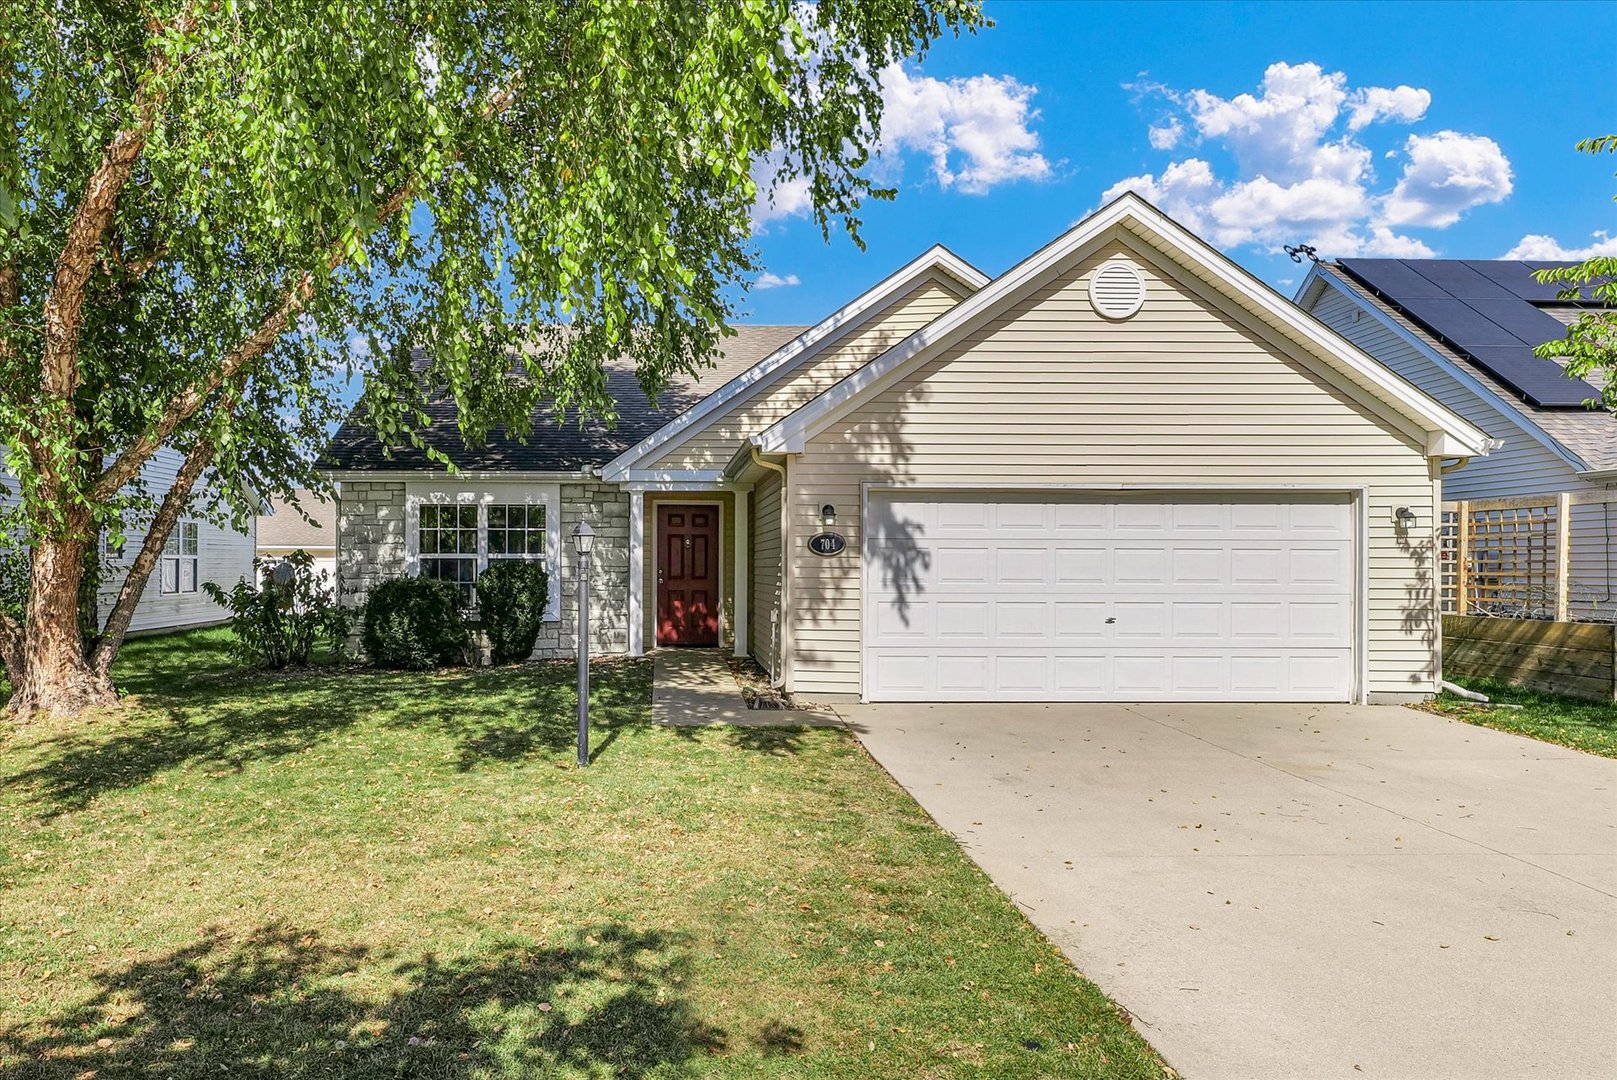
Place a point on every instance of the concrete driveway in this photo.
(1296, 891)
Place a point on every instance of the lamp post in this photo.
(583, 541)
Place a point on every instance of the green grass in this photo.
(358, 874)
(1583, 725)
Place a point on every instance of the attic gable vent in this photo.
(1117, 290)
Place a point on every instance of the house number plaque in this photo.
(827, 544)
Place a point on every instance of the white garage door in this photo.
(1000, 597)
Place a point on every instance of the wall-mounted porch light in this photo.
(828, 515)
(1403, 517)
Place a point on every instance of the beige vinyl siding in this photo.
(712, 445)
(726, 501)
(765, 571)
(1523, 466)
(1179, 395)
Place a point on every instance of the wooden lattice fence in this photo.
(1513, 558)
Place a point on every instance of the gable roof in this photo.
(937, 261)
(552, 445)
(1446, 434)
(281, 525)
(1585, 438)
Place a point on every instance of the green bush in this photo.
(511, 598)
(278, 623)
(414, 623)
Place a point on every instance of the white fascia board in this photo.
(935, 261)
(792, 433)
(444, 476)
(1517, 419)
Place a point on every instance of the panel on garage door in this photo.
(1033, 598)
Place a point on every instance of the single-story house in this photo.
(306, 522)
(1463, 332)
(198, 550)
(1123, 469)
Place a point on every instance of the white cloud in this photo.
(1404, 104)
(1447, 174)
(1166, 136)
(977, 131)
(770, 280)
(1302, 173)
(1536, 246)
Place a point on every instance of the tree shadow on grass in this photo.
(491, 716)
(279, 1004)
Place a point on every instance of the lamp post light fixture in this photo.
(583, 541)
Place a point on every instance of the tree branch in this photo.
(239, 361)
(64, 304)
(151, 549)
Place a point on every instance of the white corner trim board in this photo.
(1447, 434)
(811, 342)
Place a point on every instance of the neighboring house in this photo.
(282, 529)
(1123, 469)
(1463, 332)
(197, 551)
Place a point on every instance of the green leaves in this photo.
(443, 180)
(1590, 346)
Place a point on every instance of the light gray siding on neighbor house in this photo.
(1181, 394)
(224, 556)
(765, 615)
(1523, 466)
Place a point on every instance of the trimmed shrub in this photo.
(279, 623)
(511, 598)
(414, 623)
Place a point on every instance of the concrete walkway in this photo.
(695, 688)
(1296, 892)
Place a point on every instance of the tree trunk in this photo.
(56, 677)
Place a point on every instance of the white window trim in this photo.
(177, 536)
(483, 495)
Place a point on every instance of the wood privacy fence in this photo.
(1575, 659)
(1532, 557)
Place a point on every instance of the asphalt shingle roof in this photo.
(563, 446)
(282, 526)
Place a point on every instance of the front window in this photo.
(180, 555)
(454, 541)
(448, 544)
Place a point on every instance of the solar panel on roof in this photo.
(1462, 304)
(1516, 278)
(1540, 381)
(1525, 322)
(1459, 280)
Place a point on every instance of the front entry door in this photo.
(687, 575)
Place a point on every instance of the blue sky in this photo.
(1371, 129)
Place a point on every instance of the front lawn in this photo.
(369, 875)
(1582, 725)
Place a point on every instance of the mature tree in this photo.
(204, 203)
(1590, 345)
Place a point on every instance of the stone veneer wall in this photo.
(370, 537)
(371, 549)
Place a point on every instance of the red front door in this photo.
(687, 575)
